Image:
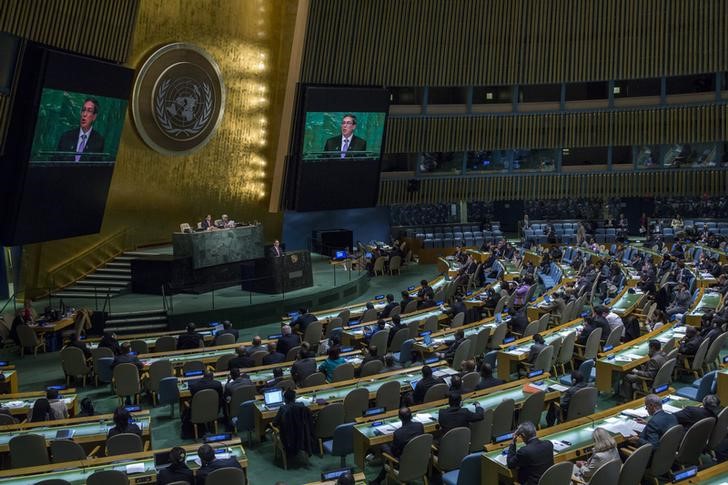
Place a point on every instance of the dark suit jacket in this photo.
(303, 368)
(241, 362)
(130, 428)
(275, 254)
(422, 386)
(404, 435)
(175, 473)
(201, 384)
(287, 342)
(690, 415)
(532, 460)
(490, 382)
(208, 468)
(451, 418)
(69, 140)
(602, 323)
(567, 395)
(127, 359)
(690, 347)
(534, 351)
(658, 424)
(458, 307)
(387, 309)
(273, 358)
(356, 144)
(518, 323)
(302, 322)
(190, 341)
(232, 331)
(403, 304)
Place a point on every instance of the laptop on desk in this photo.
(273, 398)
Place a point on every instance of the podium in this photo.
(292, 271)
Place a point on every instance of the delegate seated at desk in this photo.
(177, 471)
(190, 339)
(210, 463)
(122, 419)
(403, 435)
(531, 460)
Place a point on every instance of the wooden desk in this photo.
(479, 256)
(714, 475)
(359, 479)
(443, 338)
(578, 433)
(510, 270)
(77, 472)
(150, 338)
(89, 431)
(612, 365)
(354, 334)
(178, 358)
(706, 301)
(21, 403)
(11, 378)
(625, 303)
(367, 436)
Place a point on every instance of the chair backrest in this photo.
(558, 473)
(414, 329)
(292, 353)
(699, 358)
(591, 349)
(344, 372)
(405, 352)
(461, 353)
(634, 466)
(500, 305)
(532, 408)
(399, 337)
(104, 369)
(258, 356)
(28, 450)
(388, 395)
(706, 385)
(454, 446)
(379, 264)
(694, 442)
(315, 379)
(543, 322)
(499, 333)
(457, 320)
(57, 481)
(158, 371)
(607, 473)
(355, 403)
(380, 340)
(470, 469)
(328, 419)
(503, 417)
(193, 366)
(714, 350)
(6, 419)
(567, 348)
(166, 343)
(223, 362)
(126, 380)
(583, 403)
(225, 339)
(531, 329)
(436, 392)
(313, 333)
(470, 381)
(124, 443)
(139, 346)
(27, 336)
(343, 439)
(664, 374)
(108, 477)
(332, 325)
(410, 306)
(168, 392)
(240, 394)
(664, 455)
(544, 358)
(415, 458)
(246, 416)
(74, 362)
(614, 336)
(395, 263)
(66, 450)
(226, 476)
(481, 342)
(720, 430)
(481, 431)
(205, 406)
(369, 315)
(396, 310)
(431, 323)
(345, 315)
(372, 367)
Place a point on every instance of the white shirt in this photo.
(614, 321)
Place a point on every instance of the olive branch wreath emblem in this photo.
(165, 121)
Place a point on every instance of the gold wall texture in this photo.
(151, 194)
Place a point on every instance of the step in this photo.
(113, 271)
(117, 321)
(103, 283)
(126, 259)
(136, 328)
(74, 294)
(118, 264)
(136, 254)
(112, 276)
(159, 312)
(90, 289)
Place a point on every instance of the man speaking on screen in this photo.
(87, 143)
(347, 145)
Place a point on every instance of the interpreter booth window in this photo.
(539, 93)
(647, 157)
(406, 95)
(488, 161)
(399, 162)
(697, 83)
(540, 160)
(441, 163)
(492, 94)
(696, 155)
(622, 158)
(589, 159)
(452, 95)
(587, 95)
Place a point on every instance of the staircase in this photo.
(137, 322)
(113, 278)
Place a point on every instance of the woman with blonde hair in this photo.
(605, 449)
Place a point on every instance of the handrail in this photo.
(13, 298)
(114, 241)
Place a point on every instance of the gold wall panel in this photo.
(151, 194)
(483, 42)
(539, 186)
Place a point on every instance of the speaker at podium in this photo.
(291, 271)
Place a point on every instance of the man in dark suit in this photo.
(409, 430)
(126, 357)
(388, 307)
(304, 366)
(449, 354)
(397, 325)
(538, 345)
(406, 298)
(276, 251)
(210, 463)
(227, 327)
(235, 380)
(518, 321)
(425, 289)
(190, 339)
(658, 424)
(647, 370)
(531, 460)
(242, 361)
(304, 319)
(177, 471)
(690, 344)
(85, 142)
(427, 302)
(689, 415)
(486, 378)
(273, 357)
(578, 381)
(208, 382)
(456, 416)
(288, 340)
(346, 145)
(457, 307)
(589, 327)
(424, 384)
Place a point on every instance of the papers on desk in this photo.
(423, 418)
(558, 387)
(518, 351)
(502, 459)
(355, 360)
(389, 428)
(670, 409)
(438, 341)
(636, 413)
(622, 426)
(135, 468)
(14, 404)
(560, 446)
(445, 371)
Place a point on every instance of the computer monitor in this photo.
(427, 339)
(334, 474)
(273, 396)
(339, 255)
(193, 373)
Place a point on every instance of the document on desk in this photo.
(670, 409)
(623, 427)
(636, 413)
(502, 459)
(558, 387)
(135, 468)
(519, 351)
(423, 418)
(560, 446)
(389, 428)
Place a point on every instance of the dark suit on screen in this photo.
(69, 141)
(356, 144)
